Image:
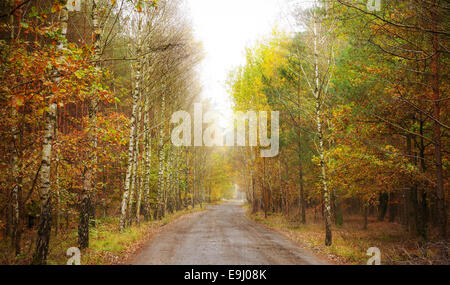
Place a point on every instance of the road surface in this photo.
(222, 235)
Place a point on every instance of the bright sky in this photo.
(226, 28)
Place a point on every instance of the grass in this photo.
(106, 244)
(109, 246)
(350, 241)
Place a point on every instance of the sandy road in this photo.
(221, 235)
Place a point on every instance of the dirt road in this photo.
(221, 235)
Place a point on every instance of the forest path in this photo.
(221, 235)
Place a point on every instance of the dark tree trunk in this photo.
(162, 212)
(302, 203)
(422, 194)
(392, 207)
(7, 228)
(92, 208)
(440, 192)
(178, 198)
(83, 227)
(412, 210)
(365, 213)
(338, 216)
(382, 208)
(254, 204)
(422, 215)
(155, 213)
(41, 252)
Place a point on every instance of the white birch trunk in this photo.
(43, 239)
(147, 157)
(319, 100)
(131, 147)
(17, 180)
(136, 186)
(161, 160)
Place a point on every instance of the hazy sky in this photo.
(226, 28)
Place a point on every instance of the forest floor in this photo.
(106, 244)
(350, 241)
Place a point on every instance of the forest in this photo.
(88, 89)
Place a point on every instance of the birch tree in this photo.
(133, 126)
(43, 238)
(90, 169)
(318, 83)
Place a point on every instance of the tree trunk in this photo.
(338, 216)
(264, 189)
(365, 213)
(422, 194)
(392, 207)
(382, 208)
(134, 189)
(86, 211)
(43, 238)
(161, 189)
(147, 157)
(254, 206)
(123, 214)
(440, 192)
(17, 188)
(58, 199)
(83, 227)
(318, 98)
(302, 203)
(194, 179)
(92, 208)
(177, 179)
(302, 200)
